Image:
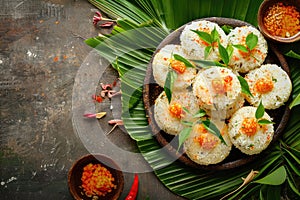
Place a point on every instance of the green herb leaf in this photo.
(183, 135)
(251, 41)
(240, 47)
(260, 111)
(245, 86)
(223, 53)
(212, 128)
(184, 60)
(214, 35)
(277, 177)
(204, 36)
(293, 54)
(200, 113)
(206, 63)
(227, 28)
(264, 122)
(229, 50)
(207, 51)
(186, 123)
(295, 101)
(186, 110)
(168, 87)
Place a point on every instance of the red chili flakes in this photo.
(282, 20)
(56, 58)
(176, 110)
(221, 86)
(96, 180)
(178, 66)
(249, 126)
(264, 85)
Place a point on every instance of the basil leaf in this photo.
(260, 111)
(264, 122)
(292, 54)
(295, 101)
(182, 59)
(199, 114)
(214, 35)
(227, 28)
(186, 110)
(229, 50)
(245, 86)
(204, 63)
(251, 41)
(212, 128)
(240, 47)
(223, 53)
(204, 36)
(207, 51)
(168, 87)
(183, 135)
(277, 177)
(187, 123)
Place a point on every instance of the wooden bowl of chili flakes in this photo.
(95, 177)
(279, 20)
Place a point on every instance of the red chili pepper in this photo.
(134, 189)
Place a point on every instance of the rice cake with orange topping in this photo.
(218, 90)
(194, 47)
(169, 116)
(246, 134)
(163, 61)
(204, 147)
(245, 61)
(269, 84)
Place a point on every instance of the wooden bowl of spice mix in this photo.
(279, 20)
(95, 177)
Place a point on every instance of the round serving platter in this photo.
(151, 91)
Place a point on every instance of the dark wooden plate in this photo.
(151, 91)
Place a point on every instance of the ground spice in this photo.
(282, 20)
(96, 180)
(176, 110)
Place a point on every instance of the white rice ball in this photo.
(246, 134)
(204, 147)
(269, 84)
(243, 61)
(162, 62)
(218, 90)
(166, 118)
(194, 47)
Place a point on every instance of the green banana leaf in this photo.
(130, 56)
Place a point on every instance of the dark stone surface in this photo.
(41, 52)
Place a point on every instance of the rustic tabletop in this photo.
(47, 77)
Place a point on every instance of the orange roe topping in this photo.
(176, 110)
(282, 20)
(249, 126)
(221, 86)
(264, 85)
(178, 66)
(206, 140)
(96, 180)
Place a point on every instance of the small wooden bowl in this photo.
(260, 18)
(75, 173)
